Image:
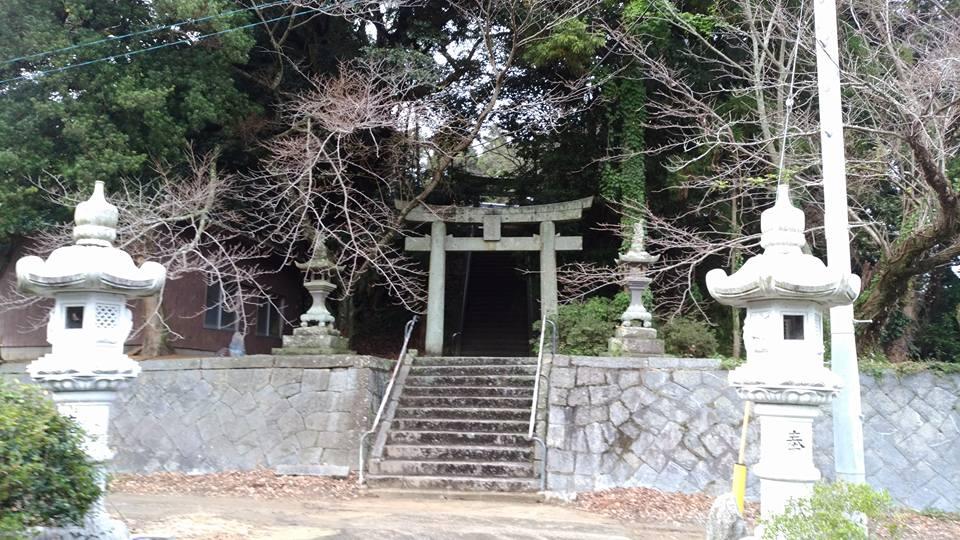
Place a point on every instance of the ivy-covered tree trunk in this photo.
(899, 344)
(623, 180)
(918, 250)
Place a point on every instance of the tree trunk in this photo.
(156, 336)
(734, 265)
(915, 253)
(898, 350)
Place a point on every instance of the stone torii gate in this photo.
(438, 243)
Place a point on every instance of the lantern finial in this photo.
(95, 220)
(782, 225)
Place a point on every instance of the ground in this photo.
(368, 518)
(261, 505)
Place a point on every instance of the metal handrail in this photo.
(407, 331)
(536, 395)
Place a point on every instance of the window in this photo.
(216, 313)
(270, 318)
(793, 327)
(74, 318)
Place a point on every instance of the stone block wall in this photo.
(292, 414)
(674, 424)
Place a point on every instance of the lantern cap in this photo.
(783, 271)
(92, 264)
(637, 254)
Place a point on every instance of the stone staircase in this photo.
(461, 424)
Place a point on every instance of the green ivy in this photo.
(877, 366)
(624, 181)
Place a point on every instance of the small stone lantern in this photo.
(317, 333)
(636, 336)
(90, 283)
(785, 293)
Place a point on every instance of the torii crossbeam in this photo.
(438, 243)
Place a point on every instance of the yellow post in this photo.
(739, 487)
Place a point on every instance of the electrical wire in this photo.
(191, 40)
(140, 32)
(790, 94)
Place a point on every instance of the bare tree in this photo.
(385, 129)
(185, 222)
(755, 123)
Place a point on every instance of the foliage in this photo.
(45, 476)
(112, 118)
(729, 363)
(938, 328)
(875, 364)
(827, 514)
(687, 337)
(585, 327)
(572, 43)
(624, 181)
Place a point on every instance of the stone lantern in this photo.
(636, 336)
(90, 283)
(785, 293)
(317, 333)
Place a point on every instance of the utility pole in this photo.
(847, 412)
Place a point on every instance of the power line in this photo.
(191, 40)
(140, 32)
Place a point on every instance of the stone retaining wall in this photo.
(674, 424)
(292, 414)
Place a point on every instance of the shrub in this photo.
(688, 337)
(585, 327)
(46, 478)
(827, 515)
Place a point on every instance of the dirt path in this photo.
(369, 518)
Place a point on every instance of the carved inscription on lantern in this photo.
(795, 441)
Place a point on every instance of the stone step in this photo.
(458, 453)
(447, 371)
(474, 361)
(499, 402)
(456, 468)
(469, 380)
(456, 438)
(449, 494)
(468, 391)
(463, 413)
(456, 483)
(470, 426)
(505, 351)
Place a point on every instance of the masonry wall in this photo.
(674, 424)
(293, 414)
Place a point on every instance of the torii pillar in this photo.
(435, 290)
(438, 243)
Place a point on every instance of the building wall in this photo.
(23, 332)
(295, 414)
(185, 298)
(674, 424)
